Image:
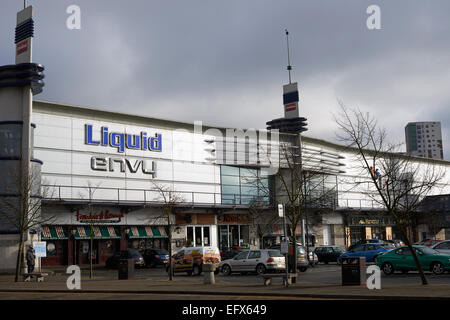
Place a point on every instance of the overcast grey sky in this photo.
(224, 62)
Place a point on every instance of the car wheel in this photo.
(196, 270)
(388, 268)
(437, 268)
(303, 269)
(260, 269)
(226, 270)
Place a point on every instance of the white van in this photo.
(191, 259)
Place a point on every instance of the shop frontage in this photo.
(365, 227)
(75, 236)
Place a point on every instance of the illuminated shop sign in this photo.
(111, 164)
(103, 216)
(122, 141)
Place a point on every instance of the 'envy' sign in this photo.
(123, 141)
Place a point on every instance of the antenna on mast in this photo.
(289, 67)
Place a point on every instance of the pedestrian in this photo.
(371, 171)
(31, 257)
(378, 177)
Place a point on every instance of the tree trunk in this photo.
(19, 258)
(90, 256)
(413, 252)
(170, 246)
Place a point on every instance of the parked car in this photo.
(376, 241)
(369, 250)
(302, 260)
(113, 261)
(395, 243)
(192, 259)
(442, 247)
(231, 253)
(401, 259)
(427, 242)
(155, 257)
(328, 254)
(259, 261)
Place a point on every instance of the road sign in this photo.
(280, 210)
(40, 249)
(284, 247)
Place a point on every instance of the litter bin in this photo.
(125, 267)
(353, 271)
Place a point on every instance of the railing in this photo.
(149, 196)
(141, 196)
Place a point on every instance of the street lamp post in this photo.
(74, 231)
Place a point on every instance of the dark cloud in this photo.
(223, 62)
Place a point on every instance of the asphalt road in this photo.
(322, 273)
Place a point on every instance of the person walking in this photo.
(372, 171)
(378, 177)
(31, 257)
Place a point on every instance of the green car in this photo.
(401, 259)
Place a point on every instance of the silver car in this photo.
(442, 247)
(259, 261)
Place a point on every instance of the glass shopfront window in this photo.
(234, 236)
(198, 236)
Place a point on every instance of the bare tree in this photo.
(261, 218)
(403, 181)
(170, 199)
(298, 184)
(91, 189)
(22, 210)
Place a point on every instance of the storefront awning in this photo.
(99, 232)
(147, 232)
(53, 233)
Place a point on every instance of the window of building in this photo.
(243, 185)
(198, 236)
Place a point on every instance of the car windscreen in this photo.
(274, 253)
(301, 250)
(161, 251)
(134, 253)
(427, 250)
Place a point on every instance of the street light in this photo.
(74, 231)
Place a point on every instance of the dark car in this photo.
(155, 257)
(328, 254)
(113, 261)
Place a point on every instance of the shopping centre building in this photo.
(116, 174)
(109, 171)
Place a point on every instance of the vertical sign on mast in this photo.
(24, 35)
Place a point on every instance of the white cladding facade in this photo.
(69, 160)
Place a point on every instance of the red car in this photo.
(427, 242)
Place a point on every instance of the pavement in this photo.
(108, 283)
